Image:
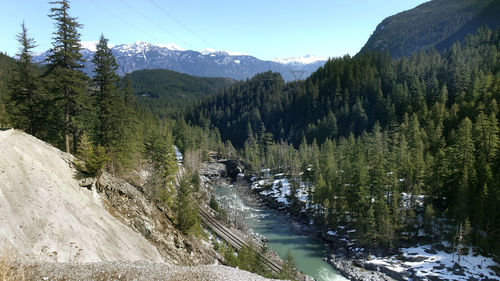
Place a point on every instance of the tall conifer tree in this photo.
(24, 99)
(66, 79)
(107, 96)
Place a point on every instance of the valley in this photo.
(149, 161)
(308, 252)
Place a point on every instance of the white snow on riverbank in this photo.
(280, 189)
(428, 263)
(423, 260)
(331, 233)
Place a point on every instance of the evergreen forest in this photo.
(370, 134)
(392, 145)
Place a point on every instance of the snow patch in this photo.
(440, 263)
(213, 52)
(279, 191)
(307, 59)
(170, 46)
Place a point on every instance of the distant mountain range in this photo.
(437, 23)
(143, 55)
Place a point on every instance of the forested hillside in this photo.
(376, 133)
(165, 92)
(437, 23)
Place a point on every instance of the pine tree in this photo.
(230, 257)
(463, 171)
(94, 157)
(429, 218)
(384, 225)
(106, 93)
(187, 214)
(486, 140)
(66, 80)
(129, 143)
(161, 149)
(265, 140)
(287, 271)
(25, 98)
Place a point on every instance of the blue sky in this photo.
(265, 29)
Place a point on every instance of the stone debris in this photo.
(134, 271)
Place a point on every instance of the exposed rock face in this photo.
(213, 170)
(356, 273)
(233, 168)
(45, 214)
(131, 207)
(49, 211)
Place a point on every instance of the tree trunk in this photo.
(75, 140)
(66, 129)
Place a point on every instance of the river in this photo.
(307, 251)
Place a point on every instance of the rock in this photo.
(431, 251)
(152, 221)
(414, 259)
(349, 269)
(142, 228)
(87, 182)
(458, 270)
(441, 266)
(45, 213)
(341, 251)
(213, 170)
(398, 275)
(233, 168)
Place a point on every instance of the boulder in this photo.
(233, 168)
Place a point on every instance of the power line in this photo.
(124, 21)
(182, 24)
(154, 23)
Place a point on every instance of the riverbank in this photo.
(281, 228)
(213, 177)
(415, 261)
(435, 261)
(348, 264)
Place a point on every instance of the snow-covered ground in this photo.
(423, 260)
(280, 189)
(426, 262)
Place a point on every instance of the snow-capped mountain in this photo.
(207, 63)
(307, 59)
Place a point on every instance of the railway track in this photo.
(233, 239)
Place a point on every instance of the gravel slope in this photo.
(136, 271)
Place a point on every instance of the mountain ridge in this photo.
(207, 63)
(433, 24)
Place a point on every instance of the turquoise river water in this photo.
(307, 251)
